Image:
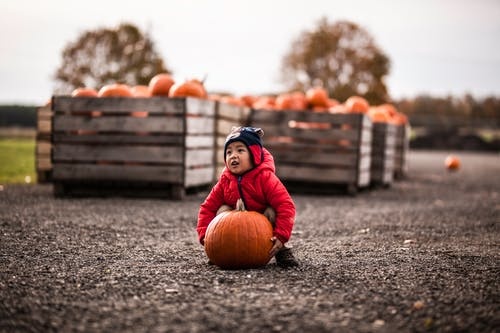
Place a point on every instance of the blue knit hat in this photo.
(251, 137)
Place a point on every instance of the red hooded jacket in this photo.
(261, 188)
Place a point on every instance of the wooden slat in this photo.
(44, 163)
(142, 154)
(90, 172)
(224, 126)
(153, 105)
(313, 174)
(114, 138)
(199, 157)
(44, 125)
(402, 147)
(318, 158)
(43, 147)
(200, 125)
(239, 114)
(202, 107)
(199, 176)
(198, 141)
(118, 124)
(363, 178)
(364, 163)
(43, 144)
(383, 151)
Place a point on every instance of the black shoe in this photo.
(285, 258)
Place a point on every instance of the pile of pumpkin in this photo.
(160, 85)
(315, 99)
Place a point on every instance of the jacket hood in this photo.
(267, 164)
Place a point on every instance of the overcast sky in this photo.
(438, 47)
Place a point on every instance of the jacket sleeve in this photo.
(281, 201)
(208, 209)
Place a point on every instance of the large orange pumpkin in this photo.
(160, 84)
(239, 239)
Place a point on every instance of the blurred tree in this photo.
(342, 57)
(103, 56)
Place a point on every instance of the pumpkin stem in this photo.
(240, 206)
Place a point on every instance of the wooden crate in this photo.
(150, 146)
(402, 150)
(318, 151)
(227, 116)
(383, 152)
(43, 146)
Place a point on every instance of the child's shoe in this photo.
(285, 258)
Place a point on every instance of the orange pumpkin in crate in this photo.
(317, 96)
(192, 88)
(248, 100)
(140, 91)
(379, 114)
(115, 90)
(85, 92)
(160, 84)
(239, 239)
(357, 104)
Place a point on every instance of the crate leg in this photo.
(177, 192)
(60, 190)
(351, 189)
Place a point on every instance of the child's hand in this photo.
(277, 245)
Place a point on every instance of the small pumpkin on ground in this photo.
(239, 239)
(452, 163)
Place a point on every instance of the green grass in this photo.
(17, 160)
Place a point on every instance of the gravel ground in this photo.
(422, 255)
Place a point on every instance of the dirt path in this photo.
(423, 255)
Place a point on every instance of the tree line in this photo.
(18, 116)
(467, 106)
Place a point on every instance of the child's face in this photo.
(238, 158)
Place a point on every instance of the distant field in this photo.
(17, 160)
